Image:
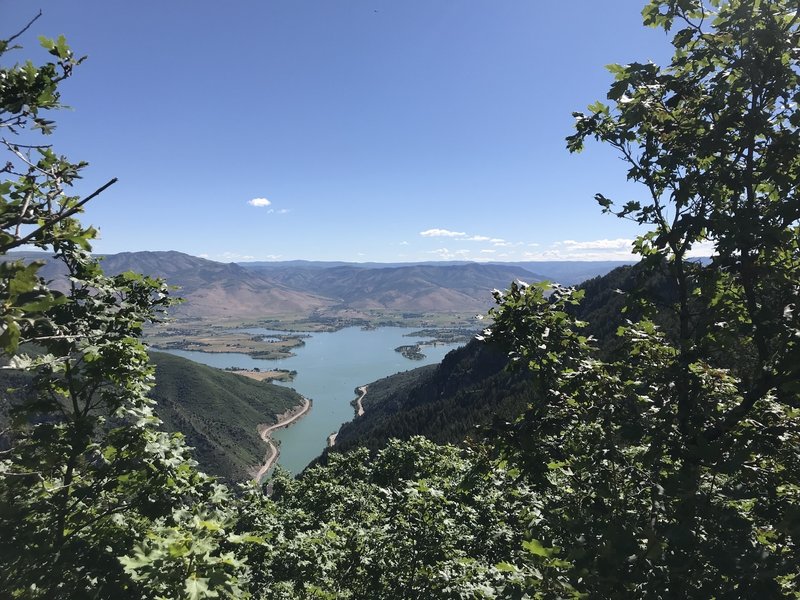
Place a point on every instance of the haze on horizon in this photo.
(358, 131)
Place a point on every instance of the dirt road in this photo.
(359, 406)
(266, 431)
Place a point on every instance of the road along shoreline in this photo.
(265, 432)
(362, 390)
(358, 406)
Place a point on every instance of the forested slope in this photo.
(218, 412)
(473, 386)
(444, 403)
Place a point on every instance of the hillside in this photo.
(216, 290)
(231, 291)
(218, 412)
(471, 387)
(228, 291)
(211, 290)
(445, 402)
(410, 288)
(566, 272)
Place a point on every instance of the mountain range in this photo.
(218, 412)
(215, 290)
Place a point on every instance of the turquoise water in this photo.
(329, 368)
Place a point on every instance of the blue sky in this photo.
(360, 130)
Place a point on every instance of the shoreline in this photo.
(272, 375)
(359, 410)
(198, 339)
(264, 431)
(255, 354)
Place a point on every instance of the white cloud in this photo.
(442, 233)
(602, 249)
(461, 236)
(617, 244)
(702, 249)
(234, 256)
(445, 254)
(570, 249)
(404, 243)
(264, 203)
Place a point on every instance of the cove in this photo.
(329, 367)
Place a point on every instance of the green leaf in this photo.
(536, 548)
(197, 587)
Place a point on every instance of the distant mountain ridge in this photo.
(210, 289)
(565, 272)
(214, 289)
(250, 290)
(422, 287)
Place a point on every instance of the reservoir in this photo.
(329, 368)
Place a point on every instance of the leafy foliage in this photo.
(87, 478)
(418, 521)
(472, 394)
(673, 465)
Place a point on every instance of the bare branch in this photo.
(57, 218)
(33, 146)
(24, 29)
(95, 519)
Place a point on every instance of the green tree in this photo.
(671, 469)
(95, 501)
(417, 520)
(713, 138)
